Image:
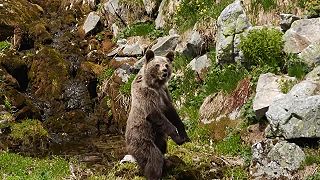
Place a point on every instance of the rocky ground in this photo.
(246, 83)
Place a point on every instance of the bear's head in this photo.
(157, 69)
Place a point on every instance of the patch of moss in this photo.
(106, 74)
(48, 73)
(125, 171)
(28, 131)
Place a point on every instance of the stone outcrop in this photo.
(91, 22)
(166, 11)
(302, 33)
(230, 24)
(268, 90)
(273, 159)
(200, 64)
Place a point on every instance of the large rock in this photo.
(193, 46)
(221, 111)
(91, 22)
(268, 90)
(165, 44)
(166, 11)
(123, 12)
(304, 89)
(151, 6)
(231, 22)
(125, 48)
(295, 117)
(200, 64)
(301, 34)
(314, 75)
(311, 54)
(275, 160)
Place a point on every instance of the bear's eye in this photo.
(157, 65)
(167, 66)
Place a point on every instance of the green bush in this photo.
(145, 29)
(263, 47)
(223, 78)
(190, 12)
(296, 67)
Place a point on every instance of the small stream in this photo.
(97, 152)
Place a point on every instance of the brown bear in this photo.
(152, 116)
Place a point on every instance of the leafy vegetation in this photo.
(263, 47)
(125, 88)
(233, 145)
(286, 85)
(238, 173)
(313, 8)
(296, 67)
(145, 29)
(107, 73)
(190, 12)
(14, 166)
(4, 45)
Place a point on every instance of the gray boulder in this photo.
(304, 89)
(268, 90)
(287, 20)
(301, 34)
(151, 5)
(166, 10)
(231, 22)
(200, 64)
(294, 117)
(193, 46)
(275, 160)
(311, 54)
(314, 75)
(91, 22)
(165, 44)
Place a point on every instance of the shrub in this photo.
(263, 47)
(190, 12)
(145, 29)
(223, 78)
(296, 67)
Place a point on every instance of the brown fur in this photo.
(152, 116)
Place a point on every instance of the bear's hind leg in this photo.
(155, 162)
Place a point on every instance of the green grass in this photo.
(296, 67)
(232, 145)
(16, 167)
(238, 173)
(286, 85)
(190, 12)
(125, 89)
(4, 45)
(107, 73)
(145, 29)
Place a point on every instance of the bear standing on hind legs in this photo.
(152, 116)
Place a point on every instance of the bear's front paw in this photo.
(183, 140)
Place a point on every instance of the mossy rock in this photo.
(17, 13)
(73, 122)
(48, 74)
(38, 31)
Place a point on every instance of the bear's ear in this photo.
(170, 56)
(149, 55)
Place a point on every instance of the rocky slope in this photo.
(66, 67)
